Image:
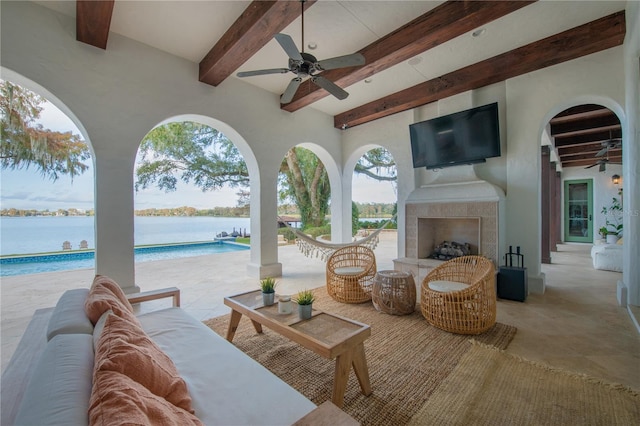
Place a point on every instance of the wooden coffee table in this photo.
(328, 335)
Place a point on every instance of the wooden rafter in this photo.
(443, 23)
(257, 25)
(93, 20)
(586, 39)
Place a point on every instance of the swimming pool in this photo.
(65, 261)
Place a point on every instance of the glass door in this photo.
(578, 211)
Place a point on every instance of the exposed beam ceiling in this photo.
(581, 132)
(93, 19)
(248, 34)
(439, 25)
(583, 40)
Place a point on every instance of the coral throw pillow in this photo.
(106, 294)
(125, 348)
(118, 400)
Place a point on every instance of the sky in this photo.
(27, 189)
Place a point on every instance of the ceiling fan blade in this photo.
(602, 152)
(593, 165)
(290, 91)
(287, 43)
(352, 60)
(603, 167)
(263, 72)
(330, 87)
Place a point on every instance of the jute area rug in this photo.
(407, 358)
(491, 387)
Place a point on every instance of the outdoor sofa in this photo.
(73, 384)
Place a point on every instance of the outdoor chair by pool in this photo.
(350, 274)
(459, 295)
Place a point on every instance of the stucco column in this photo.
(114, 226)
(264, 229)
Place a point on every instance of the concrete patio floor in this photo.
(576, 325)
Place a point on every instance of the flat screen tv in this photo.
(465, 137)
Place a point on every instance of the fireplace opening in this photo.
(453, 235)
(448, 250)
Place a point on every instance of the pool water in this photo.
(65, 261)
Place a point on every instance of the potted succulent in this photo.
(268, 286)
(305, 299)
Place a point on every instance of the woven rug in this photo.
(491, 387)
(407, 360)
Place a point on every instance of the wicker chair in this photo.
(471, 309)
(350, 274)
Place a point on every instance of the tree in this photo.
(197, 153)
(305, 181)
(194, 151)
(26, 143)
(378, 164)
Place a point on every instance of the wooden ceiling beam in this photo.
(581, 112)
(589, 162)
(592, 137)
(439, 25)
(255, 27)
(586, 39)
(594, 124)
(93, 20)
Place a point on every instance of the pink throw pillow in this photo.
(125, 348)
(118, 400)
(106, 294)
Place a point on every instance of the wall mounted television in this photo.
(464, 137)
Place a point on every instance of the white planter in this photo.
(304, 311)
(612, 238)
(268, 299)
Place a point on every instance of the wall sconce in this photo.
(615, 179)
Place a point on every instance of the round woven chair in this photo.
(350, 274)
(459, 295)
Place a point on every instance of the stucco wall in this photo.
(533, 99)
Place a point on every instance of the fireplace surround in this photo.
(465, 212)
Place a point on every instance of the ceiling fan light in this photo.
(312, 46)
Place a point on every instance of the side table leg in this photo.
(341, 377)
(361, 369)
(257, 326)
(234, 320)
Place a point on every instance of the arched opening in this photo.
(581, 152)
(192, 191)
(47, 181)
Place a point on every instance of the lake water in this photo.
(22, 235)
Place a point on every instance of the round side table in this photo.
(394, 292)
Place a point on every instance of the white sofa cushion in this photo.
(67, 318)
(59, 390)
(607, 257)
(447, 286)
(226, 386)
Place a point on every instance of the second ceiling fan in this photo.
(305, 65)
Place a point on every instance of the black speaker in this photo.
(512, 283)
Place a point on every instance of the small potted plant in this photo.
(268, 286)
(603, 232)
(305, 299)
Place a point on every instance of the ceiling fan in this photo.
(612, 143)
(305, 65)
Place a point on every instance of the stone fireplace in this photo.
(464, 212)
